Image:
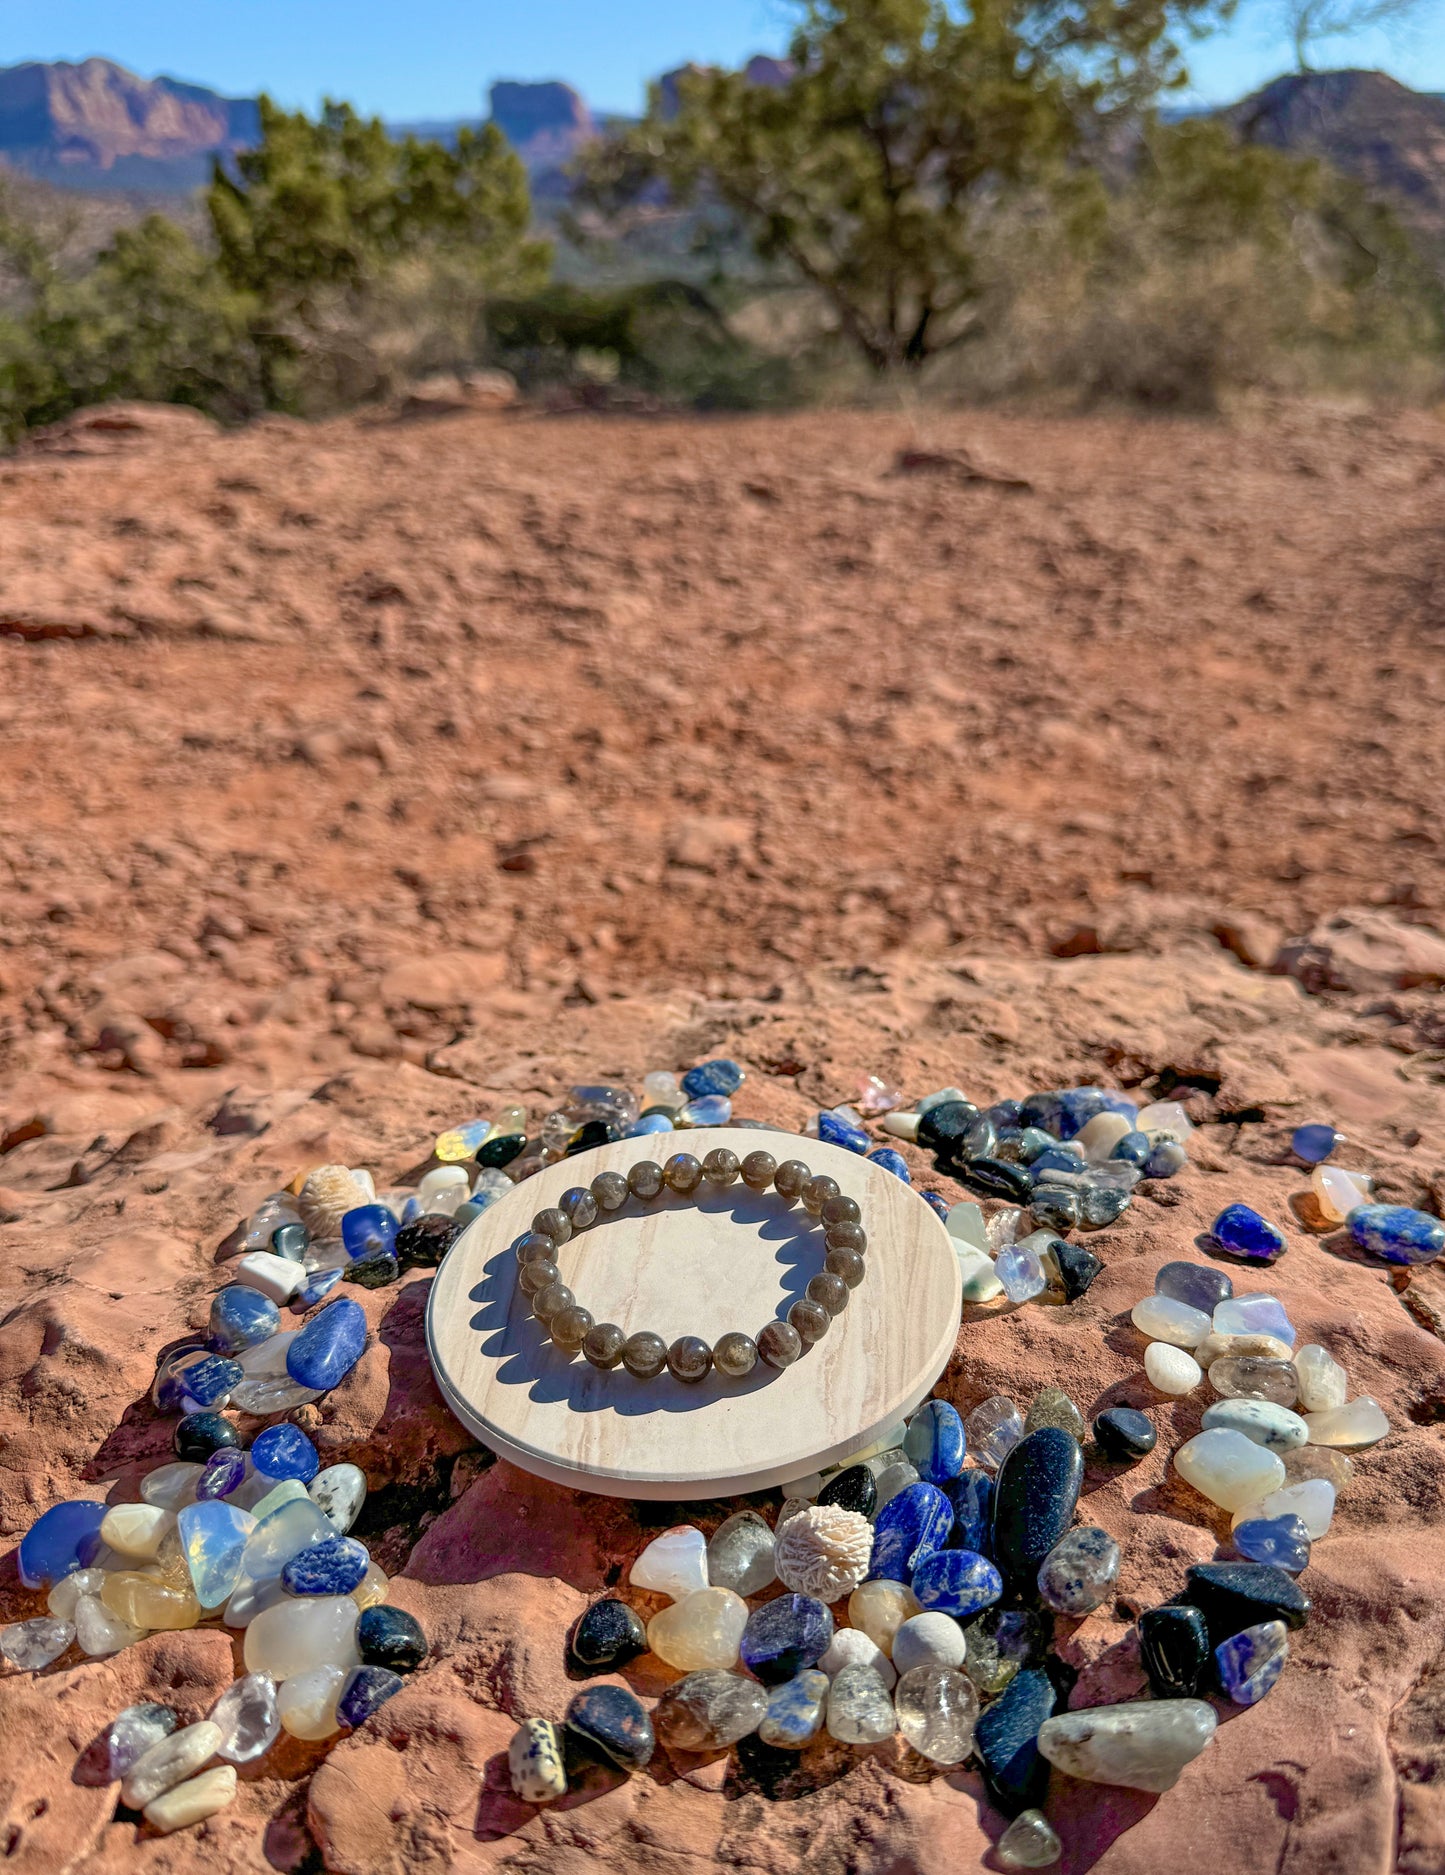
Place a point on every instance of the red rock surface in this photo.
(385, 773)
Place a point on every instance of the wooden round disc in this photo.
(702, 1265)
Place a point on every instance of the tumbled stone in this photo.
(1318, 1461)
(890, 1480)
(306, 1702)
(31, 1645)
(1312, 1500)
(1314, 1142)
(1020, 1273)
(99, 1632)
(1233, 1347)
(1100, 1205)
(1323, 1383)
(149, 1605)
(1338, 1192)
(1255, 1377)
(1282, 1541)
(334, 1566)
(1005, 1741)
(879, 1608)
(1275, 1427)
(934, 1442)
(222, 1475)
(281, 1535)
(980, 1281)
(199, 1434)
(1029, 1841)
(1124, 1435)
(535, 1762)
(785, 1635)
(1360, 1424)
(608, 1635)
(329, 1346)
(1236, 1595)
(272, 1393)
(1244, 1233)
(1037, 1491)
(275, 1277)
(364, 1690)
(136, 1529)
(1251, 1661)
(192, 1801)
(61, 1540)
(1200, 1285)
(860, 1711)
(247, 1717)
(740, 1553)
(1174, 1650)
(214, 1536)
(1079, 1571)
(1227, 1468)
(132, 1733)
(965, 1224)
(1161, 1318)
(993, 1178)
(956, 1582)
(928, 1640)
(1256, 1314)
(62, 1598)
(795, 1711)
(1053, 1407)
(999, 1643)
(286, 1492)
(296, 1636)
(390, 1637)
(909, 1527)
(971, 1495)
(170, 1761)
(701, 1630)
(241, 1317)
(936, 1708)
(1143, 1744)
(855, 1489)
(709, 1710)
(171, 1486)
(993, 1429)
(851, 1647)
(613, 1723)
(1167, 1158)
(1397, 1234)
(338, 1493)
(1077, 1268)
(424, 1241)
(674, 1563)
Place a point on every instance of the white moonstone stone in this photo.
(282, 1535)
(1359, 1424)
(851, 1647)
(442, 1178)
(1170, 1369)
(928, 1640)
(306, 1703)
(172, 1487)
(1338, 1192)
(1143, 1744)
(965, 1224)
(1312, 1500)
(68, 1590)
(1323, 1383)
(193, 1801)
(136, 1529)
(981, 1281)
(1164, 1319)
(277, 1277)
(339, 1493)
(1102, 1134)
(1260, 1420)
(246, 1714)
(1167, 1117)
(295, 1636)
(674, 1563)
(261, 1496)
(100, 1632)
(169, 1763)
(1228, 1468)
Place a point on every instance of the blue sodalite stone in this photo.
(971, 1495)
(910, 1526)
(707, 1110)
(936, 1202)
(835, 1132)
(242, 1318)
(369, 1230)
(390, 1637)
(1133, 1149)
(1244, 1233)
(784, 1636)
(320, 1286)
(224, 1472)
(333, 1567)
(1314, 1143)
(1005, 1741)
(166, 1389)
(285, 1452)
(61, 1540)
(209, 1380)
(612, 1723)
(1201, 1285)
(213, 1538)
(957, 1582)
(1250, 1662)
(651, 1123)
(1167, 1158)
(934, 1442)
(891, 1161)
(1283, 1541)
(365, 1690)
(712, 1077)
(329, 1346)
(1066, 1111)
(199, 1434)
(291, 1241)
(1052, 1162)
(1397, 1233)
(1005, 1113)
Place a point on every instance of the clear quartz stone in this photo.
(740, 1554)
(936, 1708)
(68, 1590)
(1029, 1841)
(701, 1630)
(31, 1645)
(859, 1709)
(1323, 1383)
(246, 1713)
(993, 1430)
(99, 1632)
(132, 1733)
(1020, 1273)
(272, 1394)
(1255, 1377)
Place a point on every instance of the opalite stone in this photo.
(1254, 1315)
(795, 1711)
(956, 1582)
(1005, 1740)
(1200, 1285)
(276, 1278)
(1250, 1662)
(1314, 1142)
(971, 1495)
(170, 1761)
(993, 1430)
(142, 1602)
(1318, 1461)
(1143, 1744)
(306, 1703)
(1236, 1595)
(855, 1489)
(934, 1441)
(880, 1608)
(891, 1479)
(63, 1539)
(1244, 1233)
(295, 1636)
(31, 1645)
(247, 1717)
(365, 1689)
(1359, 1424)
(242, 1317)
(708, 1110)
(1161, 1318)
(1029, 1842)
(222, 1475)
(329, 1346)
(1020, 1272)
(1283, 1541)
(136, 1529)
(785, 1635)
(1124, 1435)
(712, 1077)
(338, 1493)
(1338, 1192)
(614, 1723)
(1261, 1420)
(1312, 1500)
(860, 1711)
(1227, 1468)
(1323, 1383)
(674, 1563)
(192, 1801)
(1079, 1571)
(708, 1711)
(99, 1632)
(1174, 1650)
(909, 1527)
(608, 1635)
(170, 1486)
(1397, 1234)
(1038, 1488)
(851, 1647)
(132, 1733)
(535, 1762)
(214, 1537)
(1051, 1406)
(701, 1630)
(1255, 1377)
(936, 1708)
(334, 1566)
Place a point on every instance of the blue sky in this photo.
(435, 58)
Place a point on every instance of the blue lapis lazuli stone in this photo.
(223, 1473)
(242, 1318)
(650, 1123)
(936, 1202)
(1314, 1143)
(934, 1442)
(712, 1077)
(63, 1539)
(1166, 1159)
(1283, 1541)
(836, 1132)
(285, 1452)
(334, 1567)
(369, 1230)
(209, 1380)
(329, 1346)
(1397, 1233)
(893, 1162)
(909, 1527)
(785, 1635)
(957, 1582)
(971, 1495)
(319, 1287)
(364, 1691)
(1244, 1233)
(1133, 1149)
(1250, 1662)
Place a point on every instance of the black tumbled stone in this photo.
(593, 1133)
(993, 1178)
(941, 1126)
(390, 1637)
(1077, 1267)
(1124, 1434)
(1238, 1595)
(199, 1434)
(977, 1140)
(608, 1635)
(291, 1241)
(1054, 1207)
(502, 1151)
(373, 1272)
(1034, 1501)
(1005, 1741)
(610, 1720)
(1100, 1206)
(853, 1489)
(426, 1240)
(1174, 1650)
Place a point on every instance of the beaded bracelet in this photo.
(690, 1358)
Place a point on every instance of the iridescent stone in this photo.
(936, 1709)
(709, 1710)
(1244, 1233)
(1199, 1285)
(31, 1645)
(613, 1723)
(1236, 1595)
(1227, 1468)
(1029, 1842)
(168, 1762)
(334, 1566)
(1079, 1571)
(1143, 1744)
(338, 1493)
(934, 1441)
(879, 1608)
(143, 1602)
(1174, 1650)
(1283, 1541)
(132, 1733)
(956, 1582)
(242, 1318)
(247, 1716)
(740, 1553)
(1124, 1435)
(329, 1346)
(785, 1635)
(1359, 1424)
(909, 1527)
(1161, 1318)
(1338, 1192)
(701, 1630)
(1053, 1407)
(674, 1563)
(363, 1691)
(1261, 1420)
(61, 1540)
(1251, 1661)
(860, 1711)
(1034, 1500)
(709, 1110)
(1020, 1273)
(296, 1636)
(1254, 1315)
(136, 1529)
(535, 1762)
(993, 1430)
(285, 1452)
(1397, 1234)
(1005, 1740)
(607, 1637)
(1314, 1142)
(214, 1538)
(1255, 1377)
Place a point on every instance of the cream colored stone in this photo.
(136, 1529)
(1101, 1135)
(1312, 1500)
(306, 1703)
(1338, 1192)
(1359, 1424)
(1216, 1347)
(851, 1647)
(148, 1604)
(1228, 1468)
(1161, 1318)
(168, 1763)
(1170, 1369)
(701, 1630)
(1323, 1383)
(880, 1608)
(295, 1636)
(1143, 1744)
(193, 1801)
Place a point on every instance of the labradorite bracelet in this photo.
(690, 1358)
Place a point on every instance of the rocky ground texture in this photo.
(357, 780)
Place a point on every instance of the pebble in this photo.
(994, 1178)
(297, 1636)
(1174, 1650)
(199, 1434)
(1283, 1541)
(373, 1272)
(1314, 1142)
(741, 1552)
(956, 1582)
(879, 1608)
(1255, 1377)
(1053, 1407)
(980, 1279)
(1318, 1461)
(891, 1161)
(608, 1635)
(192, 1801)
(284, 1533)
(285, 1452)
(934, 1442)
(855, 1489)
(1077, 1267)
(31, 1645)
(1244, 1233)
(1161, 1318)
(1235, 1595)
(1228, 1468)
(338, 1493)
(1359, 1424)
(902, 1125)
(787, 1634)
(851, 1647)
(278, 1278)
(1226, 1347)
(242, 1317)
(1125, 1435)
(247, 1717)
(1020, 1273)
(890, 1480)
(222, 1475)
(993, 1429)
(1167, 1158)
(674, 1563)
(1260, 1420)
(707, 1711)
(1079, 1571)
(172, 1759)
(1251, 1661)
(1100, 1207)
(1142, 1744)
(334, 1566)
(936, 1708)
(712, 1077)
(1029, 1842)
(215, 1539)
(137, 1529)
(1199, 1285)
(1102, 1134)
(171, 1486)
(1005, 1741)
(147, 1604)
(909, 1527)
(965, 1224)
(943, 1122)
(426, 1240)
(1312, 1500)
(1034, 1501)
(876, 1095)
(390, 1637)
(1323, 1383)
(971, 1495)
(709, 1110)
(329, 1346)
(1397, 1234)
(1254, 1315)
(62, 1598)
(614, 1723)
(860, 1711)
(132, 1733)
(928, 1640)
(795, 1711)
(364, 1690)
(306, 1702)
(1338, 1192)
(701, 1630)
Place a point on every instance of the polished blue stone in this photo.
(957, 1582)
(1167, 1158)
(1133, 1149)
(712, 1077)
(1396, 1233)
(285, 1452)
(1201, 1285)
(1004, 1113)
(224, 1472)
(891, 1161)
(971, 1495)
(1244, 1233)
(835, 1132)
(785, 1635)
(167, 1392)
(242, 1318)
(1053, 1161)
(1005, 1741)
(63, 1539)
(1250, 1662)
(209, 1380)
(291, 1241)
(650, 1123)
(365, 1690)
(1066, 1111)
(706, 1110)
(934, 1442)
(329, 1346)
(321, 1285)
(936, 1202)
(1032, 1141)
(411, 1210)
(1314, 1143)
(1283, 1541)
(909, 1527)
(369, 1230)
(333, 1567)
